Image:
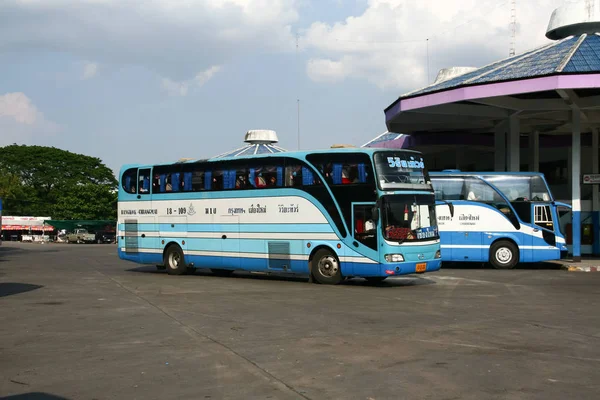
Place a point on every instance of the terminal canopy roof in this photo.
(540, 87)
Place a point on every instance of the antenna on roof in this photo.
(513, 27)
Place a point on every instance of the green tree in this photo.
(50, 179)
(89, 201)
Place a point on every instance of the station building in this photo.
(536, 111)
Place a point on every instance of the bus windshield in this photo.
(521, 188)
(401, 170)
(409, 218)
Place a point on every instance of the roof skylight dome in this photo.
(260, 141)
(574, 19)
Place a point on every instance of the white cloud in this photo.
(181, 88)
(89, 70)
(19, 107)
(387, 44)
(174, 38)
(21, 121)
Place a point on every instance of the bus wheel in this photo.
(504, 255)
(325, 267)
(221, 272)
(375, 279)
(174, 261)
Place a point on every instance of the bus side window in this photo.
(175, 182)
(187, 181)
(307, 177)
(128, 180)
(208, 180)
(144, 181)
(217, 179)
(198, 181)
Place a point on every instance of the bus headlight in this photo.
(394, 258)
(438, 254)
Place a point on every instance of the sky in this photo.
(152, 81)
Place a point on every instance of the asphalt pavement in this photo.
(78, 323)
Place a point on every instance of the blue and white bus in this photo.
(500, 217)
(328, 214)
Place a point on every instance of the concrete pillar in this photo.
(514, 145)
(534, 151)
(500, 147)
(575, 183)
(595, 195)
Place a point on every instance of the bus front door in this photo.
(544, 221)
(365, 230)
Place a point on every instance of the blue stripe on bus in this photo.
(295, 266)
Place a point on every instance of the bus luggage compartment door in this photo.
(467, 246)
(230, 242)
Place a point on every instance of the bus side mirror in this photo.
(375, 214)
(451, 207)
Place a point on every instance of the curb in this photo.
(573, 268)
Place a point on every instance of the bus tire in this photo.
(325, 267)
(174, 260)
(221, 272)
(504, 255)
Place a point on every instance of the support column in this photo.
(500, 147)
(458, 156)
(514, 144)
(575, 183)
(595, 195)
(534, 151)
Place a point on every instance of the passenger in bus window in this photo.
(240, 182)
(345, 177)
(169, 187)
(260, 181)
(155, 183)
(272, 181)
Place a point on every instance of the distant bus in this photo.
(500, 217)
(328, 214)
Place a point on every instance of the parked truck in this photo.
(81, 235)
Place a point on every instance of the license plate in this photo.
(421, 267)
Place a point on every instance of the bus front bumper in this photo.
(406, 268)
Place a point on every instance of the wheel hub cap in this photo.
(504, 255)
(328, 266)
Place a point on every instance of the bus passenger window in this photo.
(128, 181)
(217, 180)
(144, 181)
(197, 181)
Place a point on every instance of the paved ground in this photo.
(77, 323)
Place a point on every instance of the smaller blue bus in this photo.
(502, 218)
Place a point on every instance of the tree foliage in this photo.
(46, 181)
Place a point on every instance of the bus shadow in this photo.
(12, 288)
(392, 282)
(549, 265)
(33, 396)
(206, 273)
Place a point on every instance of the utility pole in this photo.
(297, 91)
(513, 27)
(428, 75)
